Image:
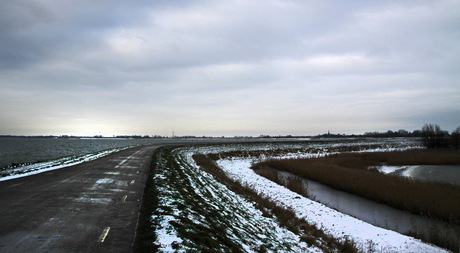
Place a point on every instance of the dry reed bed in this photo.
(348, 172)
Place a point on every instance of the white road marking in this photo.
(104, 234)
(127, 159)
(132, 181)
(124, 198)
(127, 167)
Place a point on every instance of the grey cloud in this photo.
(228, 67)
(33, 31)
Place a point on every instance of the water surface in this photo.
(32, 150)
(379, 214)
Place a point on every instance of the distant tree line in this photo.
(387, 134)
(434, 137)
(390, 133)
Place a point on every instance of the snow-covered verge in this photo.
(334, 223)
(195, 213)
(35, 168)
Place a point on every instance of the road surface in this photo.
(90, 207)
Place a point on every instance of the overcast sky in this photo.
(228, 67)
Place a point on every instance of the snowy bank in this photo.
(332, 222)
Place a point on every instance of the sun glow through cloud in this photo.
(228, 68)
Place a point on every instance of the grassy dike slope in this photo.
(185, 209)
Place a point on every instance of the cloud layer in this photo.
(229, 67)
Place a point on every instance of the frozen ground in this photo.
(195, 211)
(332, 222)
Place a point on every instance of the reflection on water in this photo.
(378, 214)
(428, 173)
(433, 173)
(387, 169)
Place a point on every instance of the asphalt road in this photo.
(90, 207)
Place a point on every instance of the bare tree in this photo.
(455, 138)
(433, 136)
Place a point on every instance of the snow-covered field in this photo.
(189, 197)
